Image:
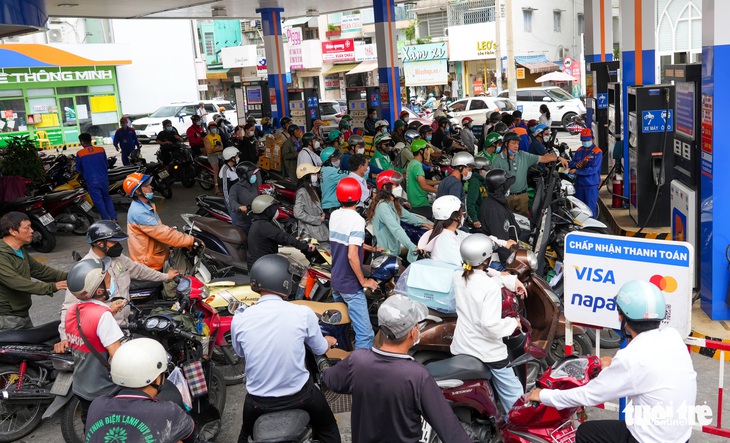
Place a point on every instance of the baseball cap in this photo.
(399, 314)
(586, 135)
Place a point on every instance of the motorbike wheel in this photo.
(163, 187)
(43, 239)
(72, 428)
(610, 338)
(217, 389)
(17, 421)
(568, 119)
(581, 346)
(83, 222)
(188, 176)
(205, 178)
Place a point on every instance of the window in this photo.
(477, 104)
(527, 18)
(558, 94)
(189, 110)
(505, 105)
(13, 115)
(523, 96)
(459, 106)
(538, 96)
(433, 24)
(165, 112)
(328, 108)
(557, 15)
(208, 44)
(72, 90)
(581, 24)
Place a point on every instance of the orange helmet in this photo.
(134, 182)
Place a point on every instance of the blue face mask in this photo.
(587, 144)
(149, 195)
(384, 131)
(498, 149)
(112, 288)
(252, 179)
(429, 137)
(447, 129)
(168, 128)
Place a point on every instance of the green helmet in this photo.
(491, 139)
(399, 124)
(344, 124)
(334, 135)
(380, 138)
(307, 139)
(347, 117)
(417, 145)
(328, 153)
(641, 301)
(260, 203)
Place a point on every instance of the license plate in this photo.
(163, 174)
(86, 206)
(47, 219)
(62, 383)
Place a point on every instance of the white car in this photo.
(563, 106)
(330, 113)
(479, 108)
(179, 114)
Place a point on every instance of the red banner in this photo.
(338, 50)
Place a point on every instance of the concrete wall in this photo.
(542, 39)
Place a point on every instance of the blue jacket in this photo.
(91, 162)
(536, 146)
(126, 139)
(587, 163)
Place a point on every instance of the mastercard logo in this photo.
(664, 283)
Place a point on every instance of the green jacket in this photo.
(382, 162)
(476, 191)
(16, 285)
(387, 229)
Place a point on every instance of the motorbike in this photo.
(158, 172)
(465, 382)
(70, 209)
(31, 376)
(577, 124)
(215, 206)
(179, 165)
(204, 172)
(116, 180)
(283, 190)
(43, 224)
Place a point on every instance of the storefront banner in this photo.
(426, 73)
(418, 53)
(338, 50)
(351, 23)
(261, 68)
(332, 82)
(294, 38)
(239, 56)
(472, 42)
(46, 75)
(366, 52)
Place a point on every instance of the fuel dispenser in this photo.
(257, 99)
(359, 100)
(599, 75)
(615, 145)
(304, 106)
(650, 168)
(685, 188)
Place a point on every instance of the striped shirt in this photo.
(346, 228)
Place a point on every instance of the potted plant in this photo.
(333, 31)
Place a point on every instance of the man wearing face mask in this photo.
(125, 138)
(290, 152)
(404, 390)
(149, 240)
(370, 122)
(462, 164)
(404, 117)
(399, 130)
(495, 217)
(442, 138)
(381, 159)
(308, 154)
(360, 171)
(476, 190)
(356, 145)
(586, 165)
(417, 185)
(538, 139)
(105, 239)
(517, 163)
(266, 234)
(196, 133)
(168, 136)
(492, 147)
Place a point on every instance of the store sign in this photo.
(294, 38)
(472, 42)
(332, 82)
(572, 67)
(366, 52)
(520, 73)
(419, 53)
(338, 50)
(426, 73)
(43, 76)
(239, 56)
(351, 23)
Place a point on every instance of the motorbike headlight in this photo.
(532, 260)
(184, 286)
(378, 261)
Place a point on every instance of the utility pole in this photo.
(498, 17)
(511, 73)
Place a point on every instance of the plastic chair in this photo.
(42, 138)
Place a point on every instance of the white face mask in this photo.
(418, 340)
(506, 194)
(360, 150)
(336, 164)
(250, 133)
(316, 144)
(461, 222)
(467, 176)
(397, 192)
(315, 179)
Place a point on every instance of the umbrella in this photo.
(556, 76)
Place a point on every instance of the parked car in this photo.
(330, 113)
(179, 113)
(563, 106)
(413, 117)
(478, 108)
(343, 105)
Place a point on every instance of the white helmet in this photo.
(138, 362)
(444, 206)
(476, 249)
(229, 153)
(462, 159)
(381, 123)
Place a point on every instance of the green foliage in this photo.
(21, 159)
(410, 31)
(331, 27)
(616, 53)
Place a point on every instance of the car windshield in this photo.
(227, 106)
(505, 105)
(165, 111)
(558, 94)
(329, 108)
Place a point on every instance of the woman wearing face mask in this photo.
(444, 240)
(385, 214)
(104, 238)
(308, 153)
(266, 234)
(228, 177)
(213, 147)
(476, 190)
(331, 176)
(246, 144)
(307, 204)
(243, 192)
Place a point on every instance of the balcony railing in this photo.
(469, 12)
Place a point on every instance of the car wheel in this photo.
(567, 119)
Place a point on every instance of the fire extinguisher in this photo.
(617, 191)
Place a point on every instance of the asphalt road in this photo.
(45, 309)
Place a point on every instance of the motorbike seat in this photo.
(459, 367)
(202, 159)
(31, 336)
(117, 174)
(286, 185)
(227, 232)
(140, 285)
(21, 202)
(440, 314)
(236, 279)
(282, 426)
(215, 200)
(58, 195)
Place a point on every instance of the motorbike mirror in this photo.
(233, 306)
(331, 317)
(75, 256)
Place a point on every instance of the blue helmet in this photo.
(539, 128)
(641, 301)
(411, 135)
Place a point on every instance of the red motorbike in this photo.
(464, 381)
(282, 190)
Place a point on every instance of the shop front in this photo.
(57, 92)
(341, 55)
(425, 68)
(472, 48)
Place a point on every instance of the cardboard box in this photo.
(264, 163)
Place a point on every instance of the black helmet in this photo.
(495, 117)
(292, 129)
(307, 138)
(424, 129)
(244, 170)
(105, 230)
(501, 128)
(444, 121)
(251, 119)
(271, 273)
(510, 136)
(195, 117)
(414, 125)
(284, 121)
(497, 178)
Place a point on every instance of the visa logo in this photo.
(597, 275)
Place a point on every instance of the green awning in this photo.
(336, 69)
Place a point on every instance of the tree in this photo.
(20, 158)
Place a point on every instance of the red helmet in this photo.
(348, 190)
(389, 178)
(586, 135)
(402, 113)
(466, 120)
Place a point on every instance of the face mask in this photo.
(112, 288)
(384, 131)
(252, 179)
(360, 150)
(115, 251)
(587, 144)
(506, 194)
(276, 215)
(483, 173)
(374, 116)
(129, 124)
(397, 192)
(149, 195)
(405, 119)
(418, 339)
(428, 138)
(467, 176)
(315, 179)
(197, 123)
(462, 220)
(168, 128)
(341, 141)
(336, 164)
(468, 126)
(214, 131)
(498, 149)
(447, 129)
(250, 133)
(367, 172)
(316, 144)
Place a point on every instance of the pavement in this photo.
(45, 309)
